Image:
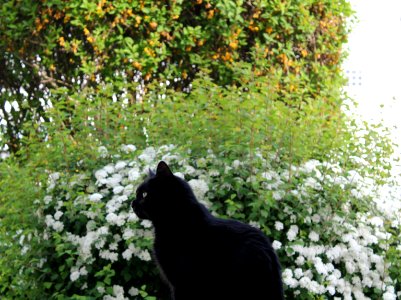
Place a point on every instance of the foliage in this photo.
(54, 50)
(19, 189)
(331, 237)
(250, 93)
(210, 117)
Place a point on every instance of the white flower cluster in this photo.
(347, 260)
(353, 251)
(132, 250)
(53, 222)
(200, 188)
(112, 231)
(118, 294)
(332, 256)
(76, 273)
(351, 247)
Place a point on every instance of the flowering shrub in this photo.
(96, 245)
(327, 228)
(330, 235)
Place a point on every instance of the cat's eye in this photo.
(144, 194)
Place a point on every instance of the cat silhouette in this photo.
(200, 256)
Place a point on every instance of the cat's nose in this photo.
(133, 204)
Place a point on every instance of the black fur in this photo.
(200, 256)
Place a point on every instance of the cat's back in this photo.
(242, 258)
(221, 260)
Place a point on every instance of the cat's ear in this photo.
(151, 173)
(163, 170)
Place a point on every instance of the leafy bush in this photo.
(54, 50)
(330, 235)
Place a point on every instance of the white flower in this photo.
(118, 290)
(278, 195)
(144, 255)
(109, 169)
(300, 260)
(85, 244)
(312, 183)
(236, 164)
(316, 218)
(276, 245)
(132, 218)
(54, 176)
(128, 190)
(199, 187)
(95, 197)
(298, 273)
(117, 238)
(120, 165)
(114, 180)
(133, 291)
(128, 233)
(58, 215)
(214, 173)
(389, 296)
(270, 175)
(180, 175)
(47, 199)
(278, 225)
(106, 254)
(288, 279)
(127, 254)
(101, 174)
(320, 266)
(292, 232)
(146, 223)
(51, 223)
(128, 148)
(189, 170)
(148, 155)
(114, 219)
(313, 236)
(331, 289)
(113, 246)
(83, 271)
(376, 221)
(254, 224)
(118, 189)
(102, 151)
(74, 275)
(133, 174)
(103, 230)
(311, 165)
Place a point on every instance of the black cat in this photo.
(200, 256)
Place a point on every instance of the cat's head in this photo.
(162, 195)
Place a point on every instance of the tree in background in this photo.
(54, 51)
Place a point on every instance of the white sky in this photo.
(374, 62)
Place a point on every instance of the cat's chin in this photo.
(141, 215)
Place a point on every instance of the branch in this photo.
(46, 79)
